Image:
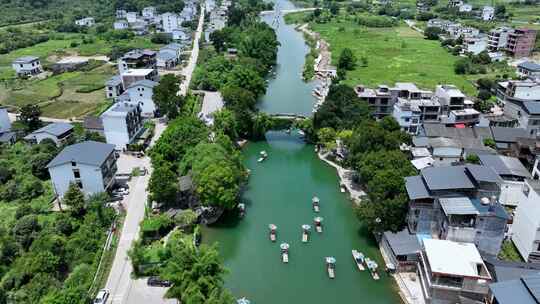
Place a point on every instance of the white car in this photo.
(101, 297)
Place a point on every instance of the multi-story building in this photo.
(90, 165)
(149, 12)
(121, 25)
(27, 65)
(498, 38)
(521, 103)
(450, 98)
(512, 173)
(379, 100)
(141, 93)
(529, 69)
(521, 42)
(5, 122)
(452, 272)
(122, 122)
(522, 290)
(488, 12)
(526, 225)
(412, 113)
(170, 22)
(58, 132)
(121, 14)
(132, 17)
(140, 59)
(467, 117)
(113, 87)
(441, 197)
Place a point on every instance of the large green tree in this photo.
(163, 185)
(74, 199)
(166, 96)
(30, 117)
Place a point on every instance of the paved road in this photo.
(123, 288)
(187, 72)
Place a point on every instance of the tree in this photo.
(383, 215)
(389, 123)
(39, 164)
(225, 121)
(237, 97)
(500, 11)
(29, 117)
(334, 8)
(247, 78)
(489, 142)
(327, 137)
(432, 33)
(166, 96)
(25, 230)
(218, 39)
(163, 185)
(462, 66)
(160, 38)
(74, 199)
(347, 60)
(484, 94)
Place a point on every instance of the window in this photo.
(538, 248)
(407, 119)
(21, 65)
(79, 184)
(77, 173)
(110, 94)
(140, 95)
(73, 164)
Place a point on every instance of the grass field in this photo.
(394, 55)
(57, 95)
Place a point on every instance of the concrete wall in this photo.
(5, 123)
(116, 133)
(143, 95)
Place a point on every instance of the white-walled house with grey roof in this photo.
(122, 123)
(142, 93)
(59, 132)
(27, 65)
(90, 165)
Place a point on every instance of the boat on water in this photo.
(358, 259)
(342, 188)
(318, 224)
(302, 133)
(273, 232)
(241, 210)
(243, 301)
(288, 131)
(315, 202)
(331, 267)
(372, 266)
(284, 252)
(263, 157)
(305, 233)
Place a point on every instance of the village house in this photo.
(526, 224)
(166, 60)
(140, 59)
(521, 42)
(58, 132)
(132, 17)
(465, 8)
(457, 203)
(450, 98)
(90, 165)
(452, 272)
(170, 22)
(521, 101)
(121, 25)
(402, 249)
(113, 87)
(141, 93)
(86, 22)
(7, 136)
(122, 123)
(529, 70)
(488, 12)
(27, 66)
(498, 38)
(93, 124)
(149, 12)
(121, 14)
(524, 290)
(512, 173)
(527, 150)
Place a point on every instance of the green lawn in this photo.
(394, 55)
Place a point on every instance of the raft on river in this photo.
(358, 259)
(315, 202)
(284, 252)
(331, 267)
(263, 157)
(305, 233)
(318, 224)
(273, 229)
(372, 266)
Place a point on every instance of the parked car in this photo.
(101, 297)
(156, 281)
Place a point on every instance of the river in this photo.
(279, 192)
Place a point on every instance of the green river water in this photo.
(279, 192)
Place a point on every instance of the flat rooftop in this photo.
(453, 258)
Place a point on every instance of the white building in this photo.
(132, 16)
(87, 22)
(529, 69)
(452, 272)
(170, 22)
(121, 25)
(113, 87)
(450, 98)
(475, 45)
(149, 12)
(488, 12)
(58, 132)
(121, 14)
(526, 226)
(180, 35)
(91, 165)
(141, 93)
(498, 38)
(166, 60)
(27, 65)
(122, 123)
(465, 8)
